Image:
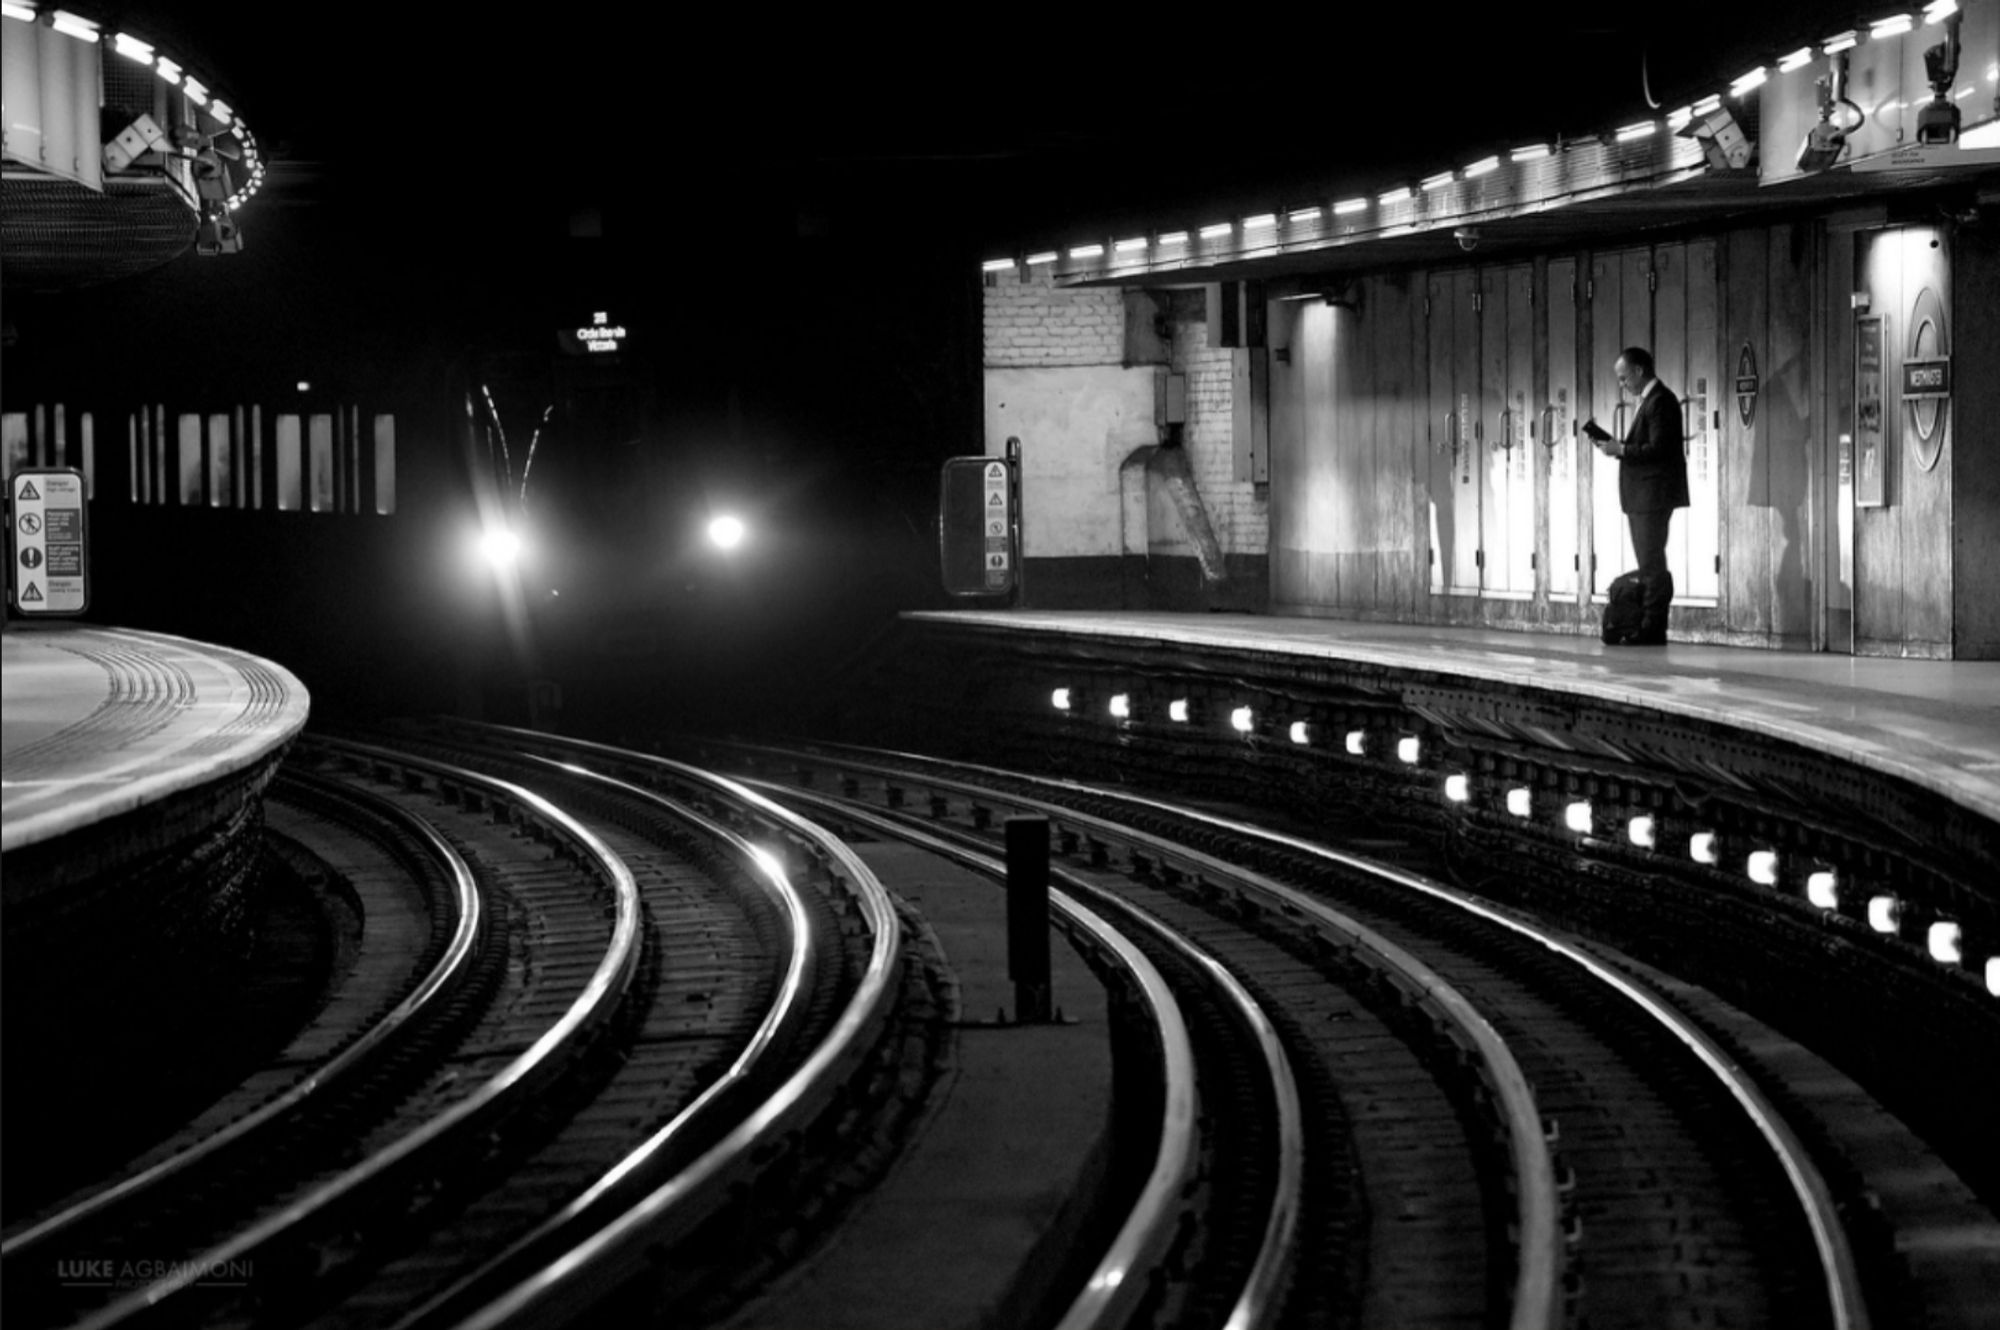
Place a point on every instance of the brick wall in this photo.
(1032, 322)
(1241, 516)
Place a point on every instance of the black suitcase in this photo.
(1626, 613)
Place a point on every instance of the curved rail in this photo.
(607, 985)
(1151, 1226)
(1538, 1218)
(587, 1212)
(470, 919)
(1847, 1306)
(596, 1267)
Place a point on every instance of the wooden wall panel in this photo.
(1786, 413)
(1705, 386)
(1927, 518)
(1489, 474)
(1288, 485)
(1512, 555)
(1392, 315)
(1466, 411)
(1975, 503)
(1878, 532)
(1313, 355)
(1746, 548)
(1349, 387)
(1669, 348)
(1605, 312)
(1440, 429)
(1565, 497)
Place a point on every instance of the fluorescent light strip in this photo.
(996, 265)
(1533, 153)
(1680, 119)
(1484, 166)
(1394, 197)
(196, 92)
(222, 111)
(1086, 251)
(1749, 82)
(1439, 181)
(132, 48)
(1645, 129)
(72, 25)
(1302, 215)
(1045, 256)
(1348, 207)
(21, 12)
(1217, 230)
(169, 71)
(1893, 26)
(1937, 10)
(1173, 238)
(1798, 59)
(1263, 221)
(1708, 105)
(1130, 246)
(1840, 41)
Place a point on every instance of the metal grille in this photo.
(56, 235)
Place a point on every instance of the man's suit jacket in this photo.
(1652, 475)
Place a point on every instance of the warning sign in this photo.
(48, 542)
(978, 528)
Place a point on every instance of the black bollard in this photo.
(1028, 916)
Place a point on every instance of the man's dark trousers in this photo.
(1649, 542)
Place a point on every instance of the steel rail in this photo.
(608, 982)
(1847, 1305)
(470, 919)
(595, 1268)
(788, 1008)
(1278, 1247)
(1537, 1304)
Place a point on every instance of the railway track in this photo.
(603, 1012)
(1692, 1181)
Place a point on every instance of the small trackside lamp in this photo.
(1577, 817)
(1946, 942)
(1458, 788)
(1641, 832)
(1121, 706)
(1242, 721)
(1059, 699)
(1885, 913)
(1177, 710)
(1409, 749)
(1521, 801)
(1301, 732)
(1822, 890)
(1357, 743)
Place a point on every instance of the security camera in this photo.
(1822, 147)
(1937, 122)
(1467, 238)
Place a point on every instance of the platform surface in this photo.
(1935, 723)
(97, 721)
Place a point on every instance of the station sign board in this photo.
(48, 542)
(601, 338)
(979, 526)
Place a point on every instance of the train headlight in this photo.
(727, 531)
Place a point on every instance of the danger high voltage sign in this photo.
(48, 545)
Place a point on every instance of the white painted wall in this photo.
(1076, 424)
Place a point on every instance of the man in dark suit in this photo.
(1652, 481)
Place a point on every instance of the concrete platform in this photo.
(1933, 723)
(96, 722)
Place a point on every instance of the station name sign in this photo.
(599, 337)
(1926, 378)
